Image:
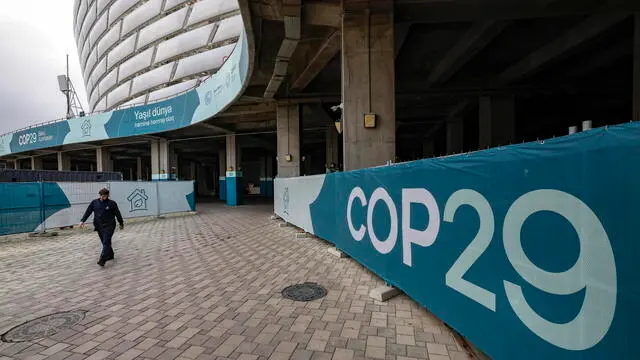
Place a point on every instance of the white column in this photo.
(36, 163)
(160, 159)
(103, 160)
(64, 161)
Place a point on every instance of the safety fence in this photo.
(529, 251)
(29, 207)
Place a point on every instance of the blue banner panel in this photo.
(529, 251)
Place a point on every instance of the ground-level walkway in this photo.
(207, 286)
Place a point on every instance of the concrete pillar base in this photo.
(337, 253)
(235, 188)
(384, 293)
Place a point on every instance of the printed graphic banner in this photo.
(28, 207)
(530, 251)
(194, 106)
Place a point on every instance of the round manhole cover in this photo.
(43, 326)
(304, 292)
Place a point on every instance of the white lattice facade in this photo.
(139, 51)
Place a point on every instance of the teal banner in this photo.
(529, 251)
(199, 104)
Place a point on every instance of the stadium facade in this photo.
(134, 52)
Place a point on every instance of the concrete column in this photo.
(139, 169)
(368, 83)
(636, 68)
(234, 183)
(16, 164)
(160, 160)
(103, 160)
(36, 163)
(288, 133)
(497, 121)
(428, 148)
(455, 136)
(64, 161)
(192, 170)
(332, 150)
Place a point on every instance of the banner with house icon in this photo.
(136, 198)
(31, 207)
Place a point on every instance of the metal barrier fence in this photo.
(29, 207)
(529, 251)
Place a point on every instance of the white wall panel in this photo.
(82, 12)
(88, 22)
(99, 70)
(171, 90)
(101, 105)
(173, 3)
(152, 78)
(108, 81)
(118, 94)
(108, 39)
(76, 6)
(135, 101)
(118, 8)
(85, 54)
(94, 97)
(141, 15)
(123, 49)
(207, 60)
(102, 4)
(206, 9)
(91, 63)
(98, 29)
(162, 27)
(183, 43)
(229, 28)
(136, 63)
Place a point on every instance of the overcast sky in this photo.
(35, 36)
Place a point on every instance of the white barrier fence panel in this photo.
(135, 199)
(293, 196)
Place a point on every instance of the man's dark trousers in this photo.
(105, 238)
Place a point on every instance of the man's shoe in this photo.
(101, 262)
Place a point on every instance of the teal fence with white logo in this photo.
(530, 251)
(29, 207)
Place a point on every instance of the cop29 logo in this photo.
(28, 138)
(594, 272)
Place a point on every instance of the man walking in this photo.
(105, 212)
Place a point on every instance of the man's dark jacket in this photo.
(104, 214)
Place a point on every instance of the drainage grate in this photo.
(43, 326)
(304, 292)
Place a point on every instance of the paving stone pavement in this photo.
(208, 286)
